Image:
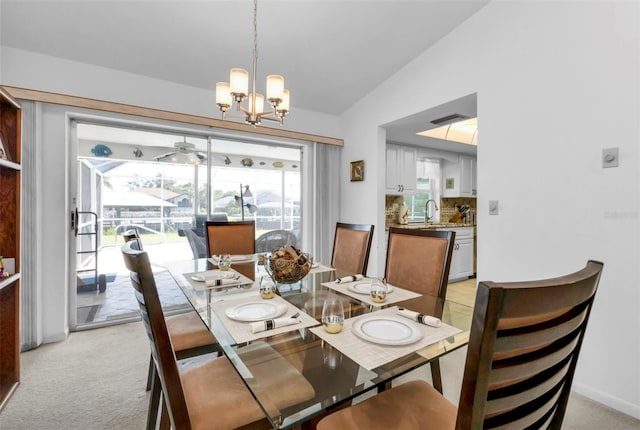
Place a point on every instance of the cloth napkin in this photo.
(423, 319)
(220, 282)
(259, 326)
(352, 278)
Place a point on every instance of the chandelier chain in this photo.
(255, 28)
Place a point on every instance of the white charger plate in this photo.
(213, 275)
(365, 288)
(256, 311)
(386, 330)
(236, 258)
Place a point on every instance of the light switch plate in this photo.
(493, 207)
(610, 157)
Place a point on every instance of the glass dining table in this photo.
(339, 367)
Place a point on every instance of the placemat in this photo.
(211, 274)
(241, 331)
(321, 268)
(371, 355)
(397, 295)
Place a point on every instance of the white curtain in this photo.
(327, 198)
(30, 333)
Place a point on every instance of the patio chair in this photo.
(275, 239)
(522, 354)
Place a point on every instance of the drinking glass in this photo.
(267, 288)
(224, 262)
(379, 290)
(332, 315)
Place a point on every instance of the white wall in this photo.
(26, 69)
(557, 82)
(34, 71)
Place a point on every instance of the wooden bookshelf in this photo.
(10, 170)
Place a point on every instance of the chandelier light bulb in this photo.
(223, 95)
(275, 89)
(239, 82)
(259, 106)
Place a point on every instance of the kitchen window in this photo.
(427, 187)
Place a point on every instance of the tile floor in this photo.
(117, 303)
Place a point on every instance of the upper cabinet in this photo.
(459, 178)
(401, 170)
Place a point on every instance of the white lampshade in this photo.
(275, 87)
(247, 192)
(284, 104)
(259, 103)
(252, 208)
(239, 81)
(223, 94)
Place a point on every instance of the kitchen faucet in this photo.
(428, 217)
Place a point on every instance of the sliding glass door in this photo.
(165, 184)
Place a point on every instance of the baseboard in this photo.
(608, 400)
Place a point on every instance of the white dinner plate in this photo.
(386, 330)
(365, 288)
(256, 311)
(237, 258)
(213, 275)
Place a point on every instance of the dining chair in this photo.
(189, 335)
(275, 239)
(197, 244)
(208, 394)
(351, 247)
(233, 237)
(419, 260)
(523, 348)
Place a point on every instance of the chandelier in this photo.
(237, 89)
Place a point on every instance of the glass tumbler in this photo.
(379, 290)
(224, 262)
(332, 315)
(267, 288)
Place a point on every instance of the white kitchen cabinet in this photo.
(462, 258)
(400, 170)
(459, 178)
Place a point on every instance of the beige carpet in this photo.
(95, 380)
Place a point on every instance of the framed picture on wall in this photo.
(4, 155)
(357, 171)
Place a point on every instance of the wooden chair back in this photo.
(146, 293)
(419, 260)
(351, 247)
(233, 237)
(523, 349)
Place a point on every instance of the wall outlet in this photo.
(493, 207)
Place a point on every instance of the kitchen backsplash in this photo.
(447, 209)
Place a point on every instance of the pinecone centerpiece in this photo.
(288, 265)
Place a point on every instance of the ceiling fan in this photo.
(186, 149)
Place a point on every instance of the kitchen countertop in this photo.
(421, 225)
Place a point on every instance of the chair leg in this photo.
(435, 375)
(154, 402)
(151, 372)
(165, 421)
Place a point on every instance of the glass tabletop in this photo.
(330, 369)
